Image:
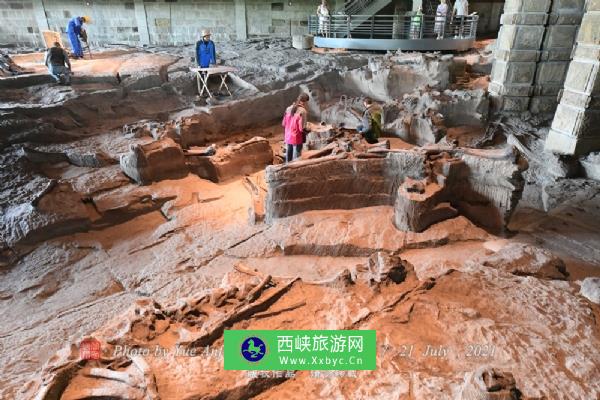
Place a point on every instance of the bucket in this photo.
(302, 42)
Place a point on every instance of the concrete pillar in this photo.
(561, 30)
(576, 125)
(533, 53)
(142, 21)
(40, 15)
(517, 53)
(241, 28)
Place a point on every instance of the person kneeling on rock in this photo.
(59, 66)
(294, 123)
(371, 121)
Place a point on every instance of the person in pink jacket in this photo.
(294, 123)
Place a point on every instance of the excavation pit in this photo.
(136, 214)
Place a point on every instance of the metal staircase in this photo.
(364, 7)
(362, 10)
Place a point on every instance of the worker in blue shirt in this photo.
(205, 50)
(74, 31)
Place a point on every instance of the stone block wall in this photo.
(576, 125)
(562, 25)
(517, 53)
(532, 54)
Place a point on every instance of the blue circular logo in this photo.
(253, 349)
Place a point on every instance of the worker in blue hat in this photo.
(75, 30)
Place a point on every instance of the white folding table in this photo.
(202, 75)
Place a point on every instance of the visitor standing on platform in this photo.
(323, 14)
(460, 10)
(415, 24)
(440, 19)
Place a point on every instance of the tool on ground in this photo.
(84, 39)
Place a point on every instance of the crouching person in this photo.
(294, 123)
(59, 66)
(371, 121)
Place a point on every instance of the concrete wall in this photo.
(18, 23)
(113, 20)
(155, 21)
(178, 21)
(181, 22)
(266, 18)
(489, 16)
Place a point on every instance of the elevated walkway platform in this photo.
(394, 32)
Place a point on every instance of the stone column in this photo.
(559, 38)
(576, 125)
(142, 21)
(241, 28)
(517, 53)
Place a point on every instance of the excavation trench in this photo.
(168, 129)
(136, 213)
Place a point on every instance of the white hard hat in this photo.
(205, 32)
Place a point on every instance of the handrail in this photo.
(394, 26)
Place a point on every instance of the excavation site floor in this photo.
(135, 213)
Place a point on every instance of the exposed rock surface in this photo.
(590, 289)
(216, 123)
(490, 384)
(484, 186)
(524, 259)
(55, 209)
(154, 162)
(591, 165)
(483, 346)
(234, 160)
(7, 65)
(185, 259)
(351, 183)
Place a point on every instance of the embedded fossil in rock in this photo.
(148, 334)
(244, 158)
(351, 236)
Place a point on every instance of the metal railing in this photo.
(393, 26)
